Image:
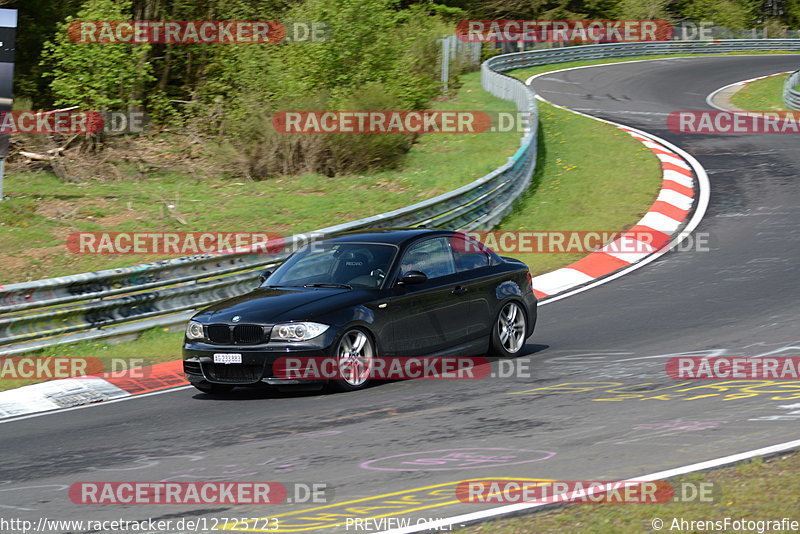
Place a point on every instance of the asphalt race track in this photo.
(624, 418)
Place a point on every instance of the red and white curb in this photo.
(91, 389)
(652, 233)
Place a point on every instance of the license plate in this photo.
(227, 358)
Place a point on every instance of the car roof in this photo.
(391, 236)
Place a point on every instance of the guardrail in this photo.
(791, 91)
(131, 299)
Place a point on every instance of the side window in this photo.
(432, 256)
(469, 254)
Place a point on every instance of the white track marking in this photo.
(560, 279)
(660, 475)
(679, 200)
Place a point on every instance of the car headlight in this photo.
(194, 330)
(297, 331)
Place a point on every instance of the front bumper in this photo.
(257, 361)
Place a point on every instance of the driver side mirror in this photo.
(263, 275)
(413, 277)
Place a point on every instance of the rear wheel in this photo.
(355, 358)
(508, 333)
(207, 387)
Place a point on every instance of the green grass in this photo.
(590, 176)
(152, 346)
(42, 211)
(761, 95)
(761, 489)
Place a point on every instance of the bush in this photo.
(377, 58)
(265, 152)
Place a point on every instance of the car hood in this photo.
(270, 305)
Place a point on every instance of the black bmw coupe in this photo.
(360, 297)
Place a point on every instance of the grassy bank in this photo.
(761, 95)
(754, 490)
(591, 176)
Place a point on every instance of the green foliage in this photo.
(19, 212)
(37, 20)
(376, 57)
(642, 9)
(736, 14)
(792, 10)
(96, 76)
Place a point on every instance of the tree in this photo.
(643, 9)
(736, 14)
(793, 13)
(96, 76)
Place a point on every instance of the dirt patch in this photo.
(126, 158)
(391, 187)
(11, 264)
(118, 217)
(56, 209)
(44, 252)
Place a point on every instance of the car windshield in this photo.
(335, 265)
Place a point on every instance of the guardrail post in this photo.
(445, 64)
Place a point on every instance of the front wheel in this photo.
(207, 387)
(355, 358)
(508, 332)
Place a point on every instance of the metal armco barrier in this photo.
(130, 299)
(791, 91)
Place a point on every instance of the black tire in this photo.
(515, 330)
(359, 341)
(213, 389)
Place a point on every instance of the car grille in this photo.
(248, 334)
(242, 334)
(235, 372)
(219, 333)
(192, 368)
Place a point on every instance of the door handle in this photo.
(459, 290)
